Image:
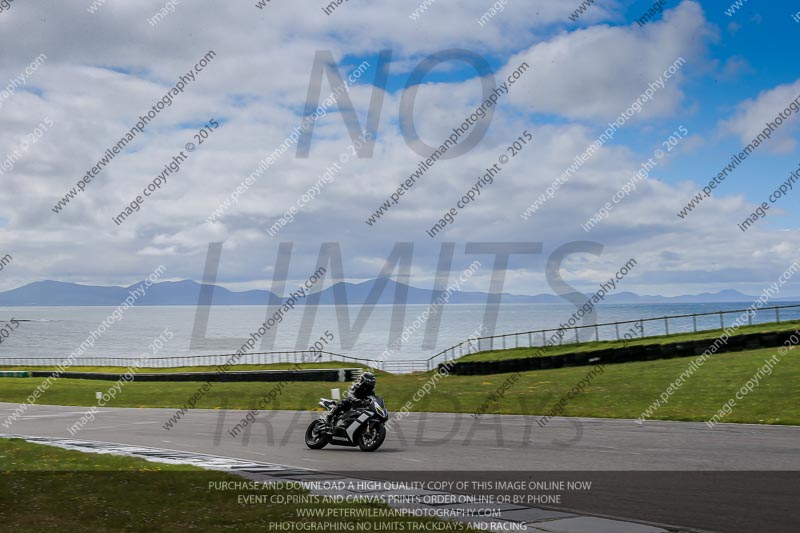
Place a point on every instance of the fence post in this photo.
(666, 325)
(616, 326)
(694, 321)
(778, 314)
(721, 321)
(577, 339)
(530, 340)
(597, 333)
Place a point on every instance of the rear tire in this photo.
(371, 437)
(316, 438)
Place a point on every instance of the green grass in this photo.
(46, 488)
(521, 353)
(17, 455)
(621, 391)
(626, 390)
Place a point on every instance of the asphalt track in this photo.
(730, 478)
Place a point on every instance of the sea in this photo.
(355, 331)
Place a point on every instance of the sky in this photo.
(106, 64)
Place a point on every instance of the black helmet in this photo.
(368, 381)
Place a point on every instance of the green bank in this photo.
(619, 391)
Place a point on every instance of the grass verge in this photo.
(47, 488)
(621, 391)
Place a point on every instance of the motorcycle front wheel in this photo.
(371, 437)
(316, 438)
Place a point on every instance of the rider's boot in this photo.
(329, 422)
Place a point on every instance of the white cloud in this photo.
(596, 73)
(751, 116)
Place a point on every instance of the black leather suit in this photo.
(358, 395)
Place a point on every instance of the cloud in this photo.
(734, 68)
(596, 73)
(751, 116)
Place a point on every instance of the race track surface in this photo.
(729, 478)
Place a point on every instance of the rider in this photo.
(359, 392)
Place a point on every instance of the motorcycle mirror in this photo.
(336, 394)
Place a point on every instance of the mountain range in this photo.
(187, 292)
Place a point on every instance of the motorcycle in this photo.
(361, 426)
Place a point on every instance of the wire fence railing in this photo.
(619, 330)
(255, 358)
(217, 360)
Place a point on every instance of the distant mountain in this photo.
(57, 293)
(359, 292)
(722, 296)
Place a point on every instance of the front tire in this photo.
(371, 437)
(316, 438)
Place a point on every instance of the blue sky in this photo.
(752, 55)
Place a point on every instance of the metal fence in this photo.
(609, 331)
(645, 327)
(255, 358)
